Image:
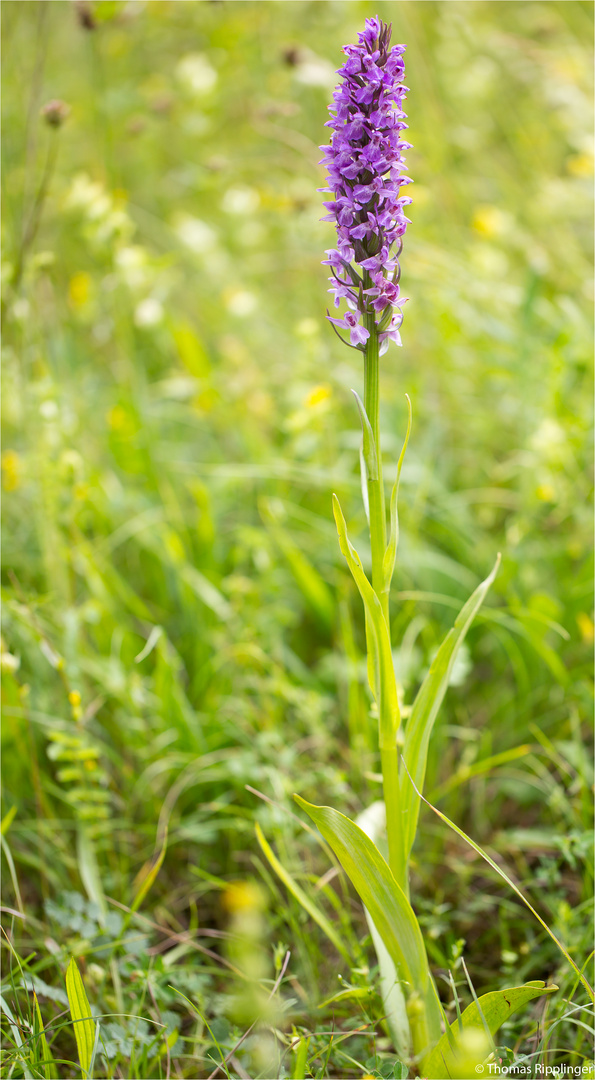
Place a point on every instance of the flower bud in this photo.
(55, 112)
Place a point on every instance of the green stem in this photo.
(375, 487)
(389, 764)
(377, 514)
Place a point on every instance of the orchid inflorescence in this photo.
(365, 164)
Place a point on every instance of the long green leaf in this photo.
(496, 1007)
(315, 913)
(80, 1011)
(390, 555)
(389, 909)
(369, 445)
(301, 1058)
(146, 878)
(391, 991)
(426, 705)
(89, 869)
(13, 874)
(7, 820)
(372, 821)
(47, 1061)
(384, 687)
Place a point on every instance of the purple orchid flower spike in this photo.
(365, 164)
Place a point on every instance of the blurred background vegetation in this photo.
(178, 622)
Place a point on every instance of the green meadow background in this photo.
(182, 645)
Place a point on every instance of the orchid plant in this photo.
(366, 169)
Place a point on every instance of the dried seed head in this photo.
(55, 112)
(85, 14)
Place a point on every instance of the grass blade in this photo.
(13, 874)
(308, 905)
(146, 877)
(47, 1061)
(14, 1027)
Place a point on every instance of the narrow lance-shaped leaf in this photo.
(393, 998)
(369, 445)
(372, 821)
(80, 1011)
(426, 705)
(384, 686)
(390, 555)
(301, 1058)
(89, 869)
(388, 906)
(7, 820)
(147, 876)
(363, 476)
(47, 1061)
(496, 1007)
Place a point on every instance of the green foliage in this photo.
(369, 451)
(80, 1011)
(380, 662)
(426, 705)
(389, 909)
(489, 1010)
(43, 1052)
(312, 909)
(390, 555)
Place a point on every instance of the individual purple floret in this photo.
(364, 163)
(358, 333)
